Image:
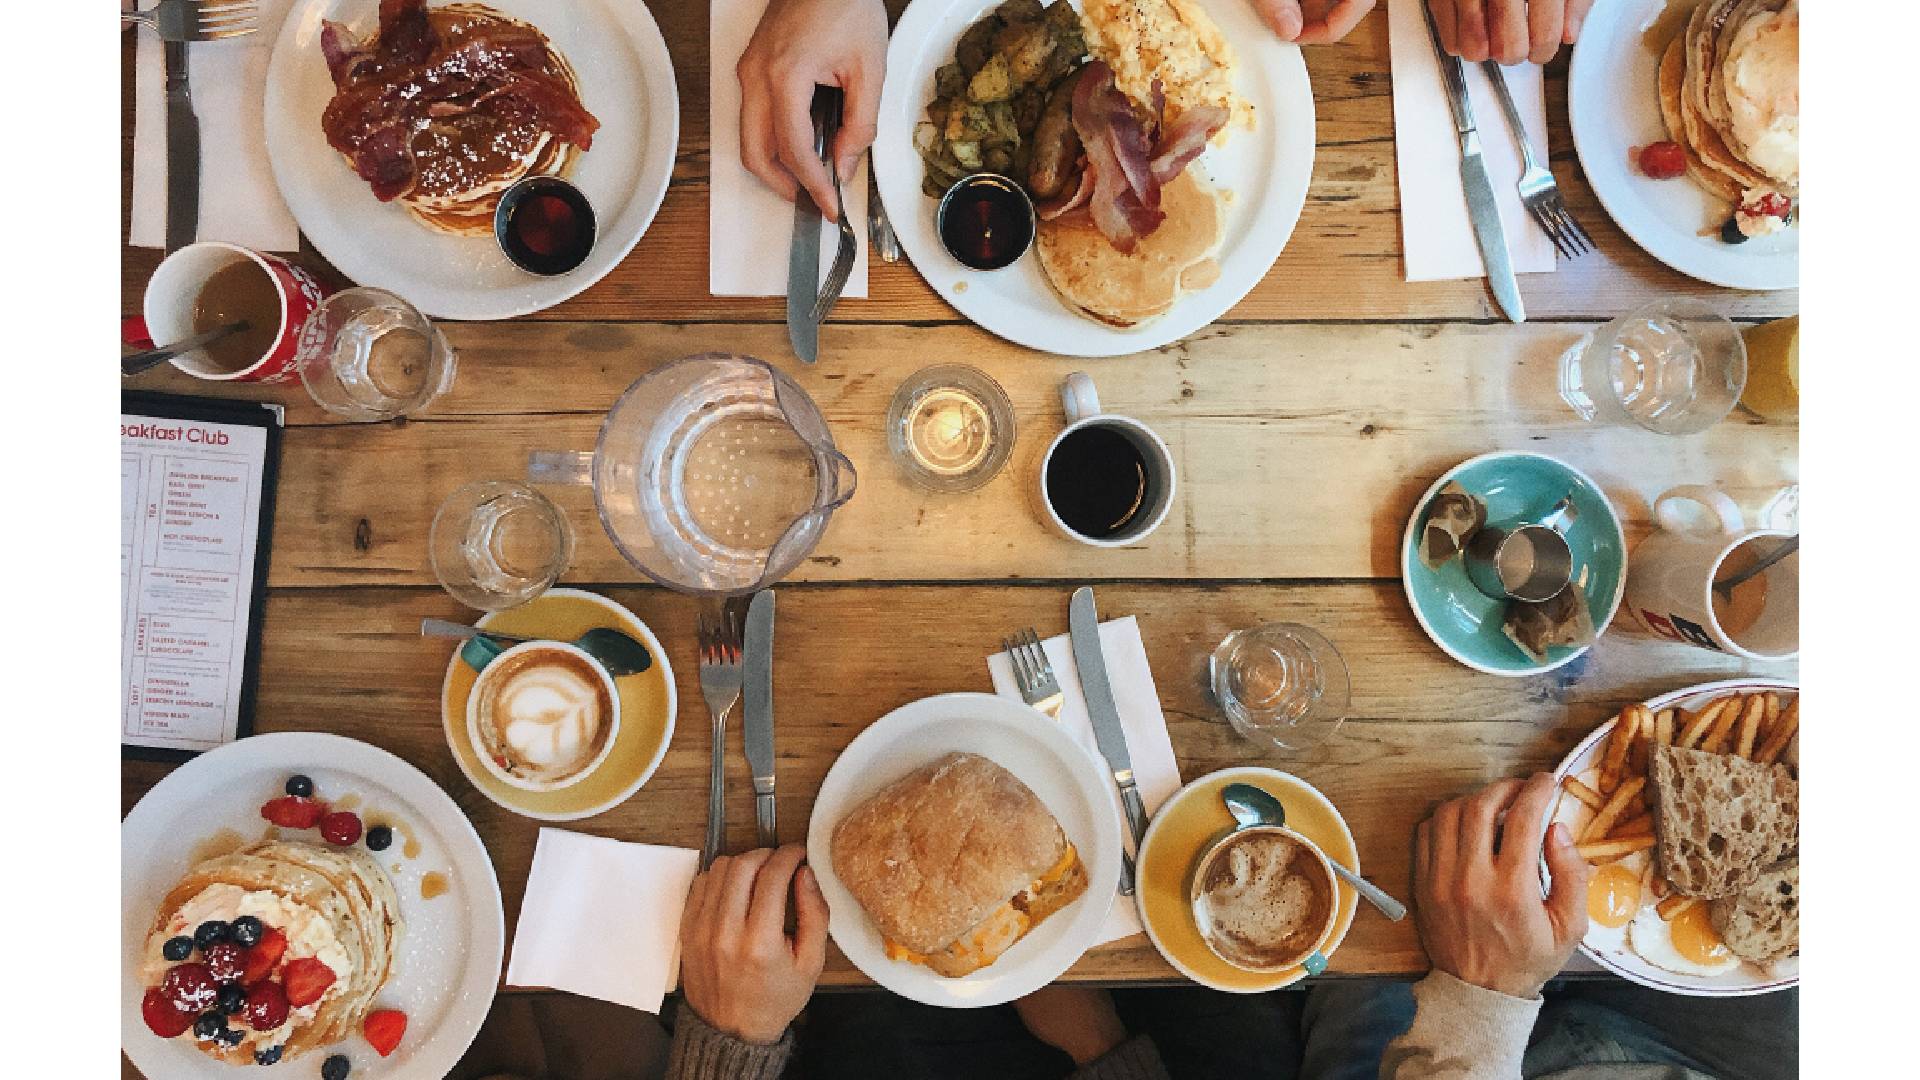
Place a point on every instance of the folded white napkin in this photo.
(1435, 230)
(748, 226)
(602, 918)
(1154, 768)
(239, 201)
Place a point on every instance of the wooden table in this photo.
(1305, 424)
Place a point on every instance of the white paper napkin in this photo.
(1154, 768)
(239, 201)
(748, 226)
(602, 918)
(1435, 230)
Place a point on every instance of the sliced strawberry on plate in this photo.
(264, 956)
(162, 1018)
(306, 979)
(190, 988)
(384, 1028)
(266, 1008)
(225, 961)
(294, 812)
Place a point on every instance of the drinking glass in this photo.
(1673, 366)
(950, 427)
(368, 355)
(1281, 683)
(498, 544)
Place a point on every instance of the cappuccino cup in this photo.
(1264, 899)
(543, 715)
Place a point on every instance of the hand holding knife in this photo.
(1478, 187)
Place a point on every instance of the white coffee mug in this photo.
(484, 686)
(1082, 405)
(1671, 574)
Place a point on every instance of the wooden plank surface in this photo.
(1343, 262)
(1423, 727)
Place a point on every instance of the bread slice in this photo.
(1721, 819)
(1761, 922)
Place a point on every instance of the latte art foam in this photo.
(543, 716)
(1263, 901)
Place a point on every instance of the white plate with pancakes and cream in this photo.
(609, 52)
(1232, 210)
(1614, 102)
(998, 910)
(1719, 830)
(418, 926)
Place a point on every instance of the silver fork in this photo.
(842, 256)
(198, 20)
(720, 685)
(1538, 191)
(1033, 672)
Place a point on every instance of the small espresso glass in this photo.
(497, 544)
(1673, 366)
(368, 355)
(1281, 683)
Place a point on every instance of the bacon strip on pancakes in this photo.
(1129, 156)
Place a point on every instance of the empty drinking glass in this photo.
(1281, 683)
(368, 355)
(1673, 366)
(497, 544)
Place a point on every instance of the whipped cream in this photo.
(1763, 91)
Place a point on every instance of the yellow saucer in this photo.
(1183, 828)
(648, 702)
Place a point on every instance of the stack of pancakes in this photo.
(1730, 95)
(343, 886)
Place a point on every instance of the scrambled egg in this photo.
(1172, 40)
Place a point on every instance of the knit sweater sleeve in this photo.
(1135, 1059)
(1461, 1032)
(700, 1052)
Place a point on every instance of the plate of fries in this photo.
(1607, 802)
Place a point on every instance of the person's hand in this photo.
(1078, 1020)
(1312, 22)
(1508, 30)
(1476, 888)
(800, 45)
(739, 969)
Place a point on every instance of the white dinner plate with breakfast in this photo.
(1733, 821)
(361, 918)
(1615, 106)
(969, 850)
(1228, 216)
(431, 240)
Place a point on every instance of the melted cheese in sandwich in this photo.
(1002, 927)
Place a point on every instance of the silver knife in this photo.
(803, 259)
(1083, 625)
(183, 152)
(1481, 209)
(756, 689)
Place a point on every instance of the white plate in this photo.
(1076, 789)
(448, 959)
(626, 81)
(1614, 106)
(1623, 961)
(1266, 169)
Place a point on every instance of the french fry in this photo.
(1672, 906)
(1720, 738)
(1637, 758)
(1638, 825)
(1618, 745)
(1663, 728)
(1591, 798)
(1750, 725)
(1697, 727)
(1622, 797)
(1772, 717)
(1606, 851)
(1782, 733)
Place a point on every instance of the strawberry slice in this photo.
(306, 979)
(384, 1028)
(294, 812)
(190, 988)
(162, 1018)
(266, 1008)
(264, 956)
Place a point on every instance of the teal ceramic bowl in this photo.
(1465, 622)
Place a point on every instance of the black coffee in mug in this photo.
(1098, 481)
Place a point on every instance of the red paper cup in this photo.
(176, 286)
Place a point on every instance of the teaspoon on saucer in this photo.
(1251, 806)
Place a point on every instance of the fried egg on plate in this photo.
(1688, 945)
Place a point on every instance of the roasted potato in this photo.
(990, 100)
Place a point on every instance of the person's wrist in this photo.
(758, 1032)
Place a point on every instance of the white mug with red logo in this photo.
(1671, 574)
(176, 285)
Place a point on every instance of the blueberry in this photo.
(209, 1025)
(177, 949)
(269, 1056)
(300, 786)
(1730, 232)
(231, 999)
(212, 932)
(247, 931)
(231, 1037)
(336, 1068)
(379, 838)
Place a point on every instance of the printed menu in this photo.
(195, 505)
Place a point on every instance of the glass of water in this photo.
(1281, 683)
(1673, 366)
(498, 544)
(368, 355)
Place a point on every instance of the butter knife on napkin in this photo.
(1481, 206)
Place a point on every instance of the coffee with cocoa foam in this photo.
(1263, 900)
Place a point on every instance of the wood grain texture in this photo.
(1423, 728)
(1343, 262)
